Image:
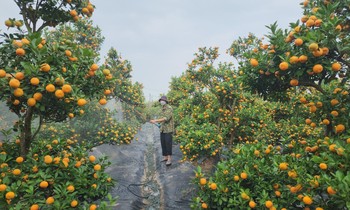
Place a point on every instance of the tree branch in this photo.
(344, 61)
(26, 132)
(38, 129)
(39, 3)
(312, 84)
(25, 15)
(43, 26)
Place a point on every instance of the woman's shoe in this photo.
(168, 163)
(164, 160)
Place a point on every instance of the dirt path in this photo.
(143, 181)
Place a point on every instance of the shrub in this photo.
(60, 169)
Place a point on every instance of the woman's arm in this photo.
(158, 120)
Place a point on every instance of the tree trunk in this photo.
(26, 132)
(329, 130)
(232, 133)
(230, 143)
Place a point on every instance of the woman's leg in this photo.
(162, 143)
(168, 146)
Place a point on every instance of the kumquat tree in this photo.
(46, 79)
(50, 76)
(278, 123)
(107, 126)
(269, 130)
(126, 92)
(207, 104)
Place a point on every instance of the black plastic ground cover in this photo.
(143, 182)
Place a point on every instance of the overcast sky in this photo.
(159, 37)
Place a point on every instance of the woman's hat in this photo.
(163, 98)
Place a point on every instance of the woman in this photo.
(166, 121)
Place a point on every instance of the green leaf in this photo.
(30, 190)
(28, 67)
(42, 108)
(19, 183)
(19, 206)
(317, 159)
(2, 157)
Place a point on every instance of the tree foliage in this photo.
(286, 108)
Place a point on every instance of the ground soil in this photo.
(143, 182)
